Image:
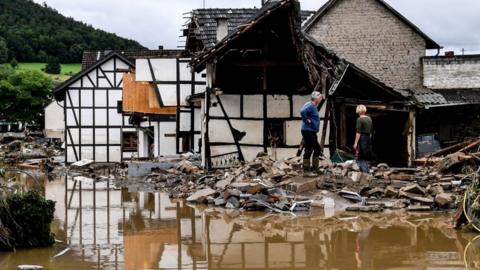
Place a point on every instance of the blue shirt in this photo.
(310, 117)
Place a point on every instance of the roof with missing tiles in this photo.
(203, 22)
(449, 97)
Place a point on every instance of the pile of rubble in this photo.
(279, 186)
(29, 151)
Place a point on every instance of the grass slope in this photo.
(68, 70)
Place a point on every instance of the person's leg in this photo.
(363, 164)
(308, 144)
(316, 154)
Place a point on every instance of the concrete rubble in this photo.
(279, 186)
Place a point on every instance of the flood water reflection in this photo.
(102, 227)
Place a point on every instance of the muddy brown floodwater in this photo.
(102, 227)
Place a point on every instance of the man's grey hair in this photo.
(316, 94)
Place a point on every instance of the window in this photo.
(275, 133)
(130, 141)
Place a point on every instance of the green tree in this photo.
(14, 63)
(3, 51)
(53, 66)
(23, 95)
(29, 28)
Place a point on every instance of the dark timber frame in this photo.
(111, 84)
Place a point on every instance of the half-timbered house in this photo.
(130, 104)
(95, 127)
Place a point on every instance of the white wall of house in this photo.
(247, 114)
(175, 82)
(54, 121)
(94, 125)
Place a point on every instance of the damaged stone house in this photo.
(261, 73)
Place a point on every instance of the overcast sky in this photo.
(454, 24)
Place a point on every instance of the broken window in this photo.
(130, 141)
(185, 142)
(276, 133)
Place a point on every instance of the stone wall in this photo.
(367, 34)
(459, 72)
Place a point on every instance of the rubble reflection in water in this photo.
(106, 228)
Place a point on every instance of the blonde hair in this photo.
(361, 109)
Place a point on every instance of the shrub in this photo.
(27, 218)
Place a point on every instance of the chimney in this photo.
(222, 28)
(450, 54)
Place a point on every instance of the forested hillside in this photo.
(33, 33)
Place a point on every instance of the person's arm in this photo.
(358, 134)
(305, 113)
(357, 138)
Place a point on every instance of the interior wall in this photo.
(389, 138)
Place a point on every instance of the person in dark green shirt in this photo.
(363, 139)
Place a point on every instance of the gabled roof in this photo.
(91, 57)
(431, 44)
(59, 91)
(205, 21)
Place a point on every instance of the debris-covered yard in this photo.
(265, 184)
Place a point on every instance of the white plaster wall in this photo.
(185, 91)
(293, 132)
(113, 97)
(165, 69)
(185, 121)
(231, 103)
(219, 131)
(222, 149)
(298, 102)
(254, 130)
(101, 136)
(253, 106)
(168, 93)
(54, 117)
(278, 106)
(142, 71)
(185, 71)
(100, 98)
(115, 135)
(142, 144)
(73, 98)
(87, 136)
(167, 144)
(86, 97)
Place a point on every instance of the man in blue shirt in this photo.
(310, 128)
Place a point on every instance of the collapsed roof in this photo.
(202, 25)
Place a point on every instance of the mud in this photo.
(101, 227)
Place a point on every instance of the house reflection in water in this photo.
(117, 229)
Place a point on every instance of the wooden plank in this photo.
(140, 97)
